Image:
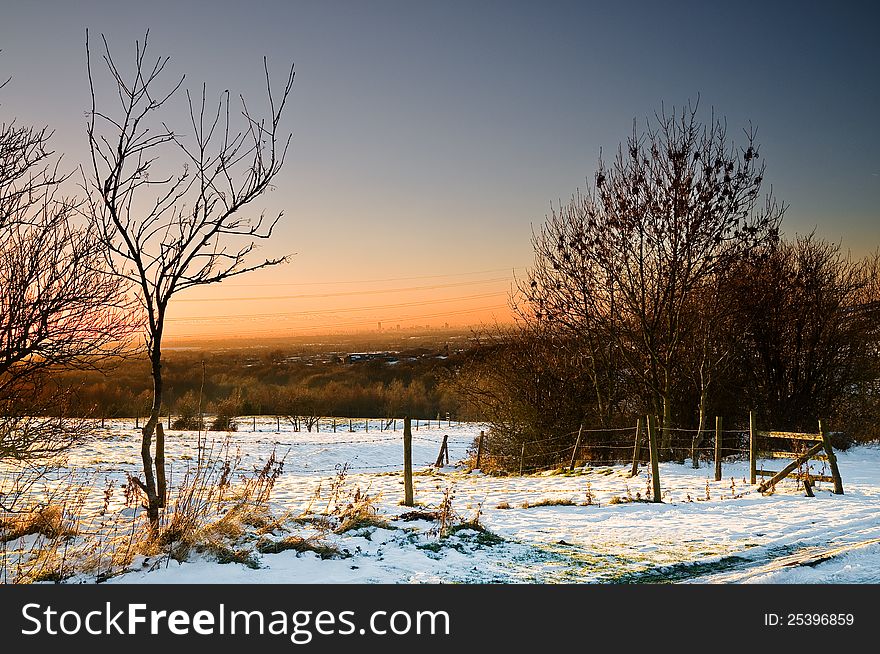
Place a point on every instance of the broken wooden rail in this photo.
(821, 443)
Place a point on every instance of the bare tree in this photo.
(810, 327)
(568, 292)
(622, 261)
(58, 306)
(712, 331)
(169, 233)
(525, 383)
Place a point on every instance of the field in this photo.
(322, 523)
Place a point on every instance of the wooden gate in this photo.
(819, 449)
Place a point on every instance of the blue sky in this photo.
(430, 137)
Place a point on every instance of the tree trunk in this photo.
(698, 438)
(155, 493)
(666, 433)
(149, 486)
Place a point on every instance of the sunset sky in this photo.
(430, 137)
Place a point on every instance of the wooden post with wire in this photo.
(637, 449)
(832, 461)
(444, 452)
(753, 450)
(161, 482)
(407, 462)
(655, 467)
(718, 424)
(522, 459)
(577, 446)
(480, 451)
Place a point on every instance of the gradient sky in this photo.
(429, 137)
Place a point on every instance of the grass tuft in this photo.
(47, 521)
(301, 545)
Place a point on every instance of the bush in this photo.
(188, 414)
(226, 412)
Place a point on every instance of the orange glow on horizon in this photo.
(267, 309)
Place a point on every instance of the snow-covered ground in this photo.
(703, 532)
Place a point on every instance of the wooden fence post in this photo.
(334, 425)
(443, 450)
(136, 422)
(350, 425)
(367, 425)
(479, 451)
(808, 486)
(522, 458)
(255, 423)
(577, 445)
(753, 453)
(637, 449)
(407, 463)
(102, 422)
(718, 424)
(655, 467)
(161, 482)
(832, 461)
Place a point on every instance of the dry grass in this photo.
(301, 545)
(47, 521)
(216, 509)
(360, 512)
(548, 502)
(410, 516)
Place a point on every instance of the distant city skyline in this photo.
(429, 139)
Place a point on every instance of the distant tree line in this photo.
(667, 289)
(271, 384)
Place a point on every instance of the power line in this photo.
(377, 291)
(376, 281)
(319, 312)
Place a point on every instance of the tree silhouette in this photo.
(58, 306)
(165, 234)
